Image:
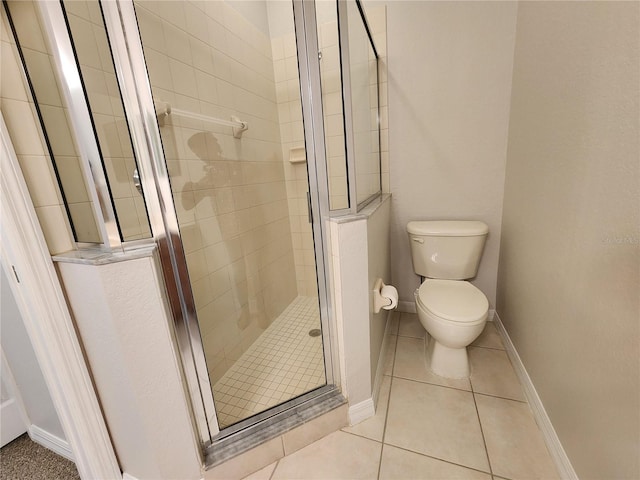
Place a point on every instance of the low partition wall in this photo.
(359, 255)
(118, 305)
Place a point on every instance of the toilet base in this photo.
(447, 362)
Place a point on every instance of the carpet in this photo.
(23, 459)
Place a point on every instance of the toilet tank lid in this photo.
(448, 228)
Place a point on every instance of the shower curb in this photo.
(223, 449)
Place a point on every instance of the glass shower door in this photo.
(224, 80)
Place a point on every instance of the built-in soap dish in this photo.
(297, 155)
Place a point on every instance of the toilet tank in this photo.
(447, 249)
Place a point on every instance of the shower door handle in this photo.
(136, 181)
(309, 207)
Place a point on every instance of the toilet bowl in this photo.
(454, 313)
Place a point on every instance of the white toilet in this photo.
(451, 310)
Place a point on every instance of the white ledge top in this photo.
(363, 214)
(95, 256)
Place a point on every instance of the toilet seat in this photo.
(453, 300)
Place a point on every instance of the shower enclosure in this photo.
(226, 94)
(223, 132)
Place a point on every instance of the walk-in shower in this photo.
(241, 209)
(220, 131)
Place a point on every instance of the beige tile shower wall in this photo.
(230, 194)
(55, 116)
(22, 123)
(330, 67)
(292, 133)
(285, 66)
(90, 40)
(364, 108)
(332, 108)
(377, 20)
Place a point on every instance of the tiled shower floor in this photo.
(284, 362)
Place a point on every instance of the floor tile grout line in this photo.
(284, 455)
(431, 383)
(382, 442)
(439, 459)
(409, 336)
(453, 388)
(484, 440)
(499, 397)
(384, 427)
(386, 414)
(371, 440)
(424, 382)
(477, 413)
(488, 348)
(357, 435)
(275, 468)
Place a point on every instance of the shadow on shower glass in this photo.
(224, 78)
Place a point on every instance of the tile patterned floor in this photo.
(282, 363)
(427, 427)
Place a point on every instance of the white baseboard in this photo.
(50, 441)
(560, 458)
(126, 476)
(406, 307)
(361, 411)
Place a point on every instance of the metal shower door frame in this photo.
(135, 88)
(126, 46)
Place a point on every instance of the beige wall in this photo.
(358, 255)
(127, 338)
(449, 80)
(379, 267)
(21, 358)
(568, 285)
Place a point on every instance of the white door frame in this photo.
(35, 285)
